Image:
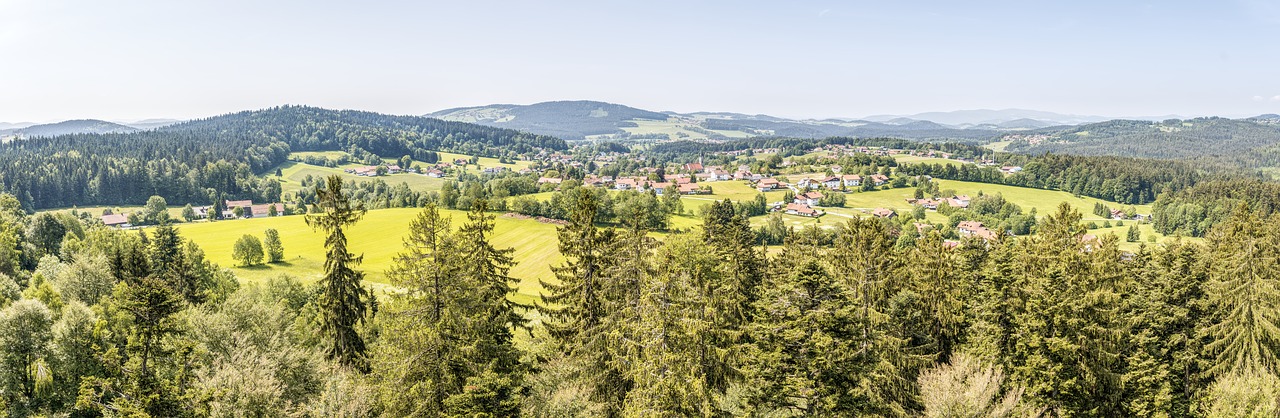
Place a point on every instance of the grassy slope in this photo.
(379, 237)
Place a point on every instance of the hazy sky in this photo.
(180, 59)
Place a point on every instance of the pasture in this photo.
(379, 237)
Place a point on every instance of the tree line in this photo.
(196, 161)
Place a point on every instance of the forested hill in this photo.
(192, 161)
(1170, 139)
(564, 119)
(80, 126)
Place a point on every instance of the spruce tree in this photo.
(1244, 294)
(424, 323)
(343, 300)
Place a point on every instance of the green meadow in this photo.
(379, 237)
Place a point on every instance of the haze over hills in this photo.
(70, 127)
(576, 120)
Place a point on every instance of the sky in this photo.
(130, 60)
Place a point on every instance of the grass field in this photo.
(915, 159)
(997, 146)
(294, 172)
(379, 237)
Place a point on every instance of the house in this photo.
(433, 172)
(801, 209)
(836, 169)
(930, 204)
(201, 212)
(851, 180)
(765, 185)
(810, 198)
(831, 182)
(922, 228)
(116, 220)
(1009, 169)
(808, 183)
(956, 202)
(658, 188)
(718, 174)
(549, 180)
(689, 188)
(879, 179)
(626, 184)
(264, 210)
(975, 228)
(693, 167)
(393, 169)
(884, 213)
(494, 170)
(1117, 214)
(239, 203)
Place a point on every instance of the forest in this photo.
(847, 322)
(206, 160)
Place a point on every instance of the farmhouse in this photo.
(975, 228)
(884, 213)
(851, 180)
(810, 198)
(264, 210)
(801, 209)
(116, 220)
(765, 185)
(690, 188)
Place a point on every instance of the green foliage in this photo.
(965, 387)
(343, 301)
(274, 248)
(248, 250)
(1251, 393)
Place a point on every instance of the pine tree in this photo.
(423, 323)
(809, 327)
(343, 301)
(577, 305)
(1243, 290)
(661, 339)
(491, 317)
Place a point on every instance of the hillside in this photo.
(183, 162)
(1169, 139)
(71, 127)
(565, 119)
(576, 120)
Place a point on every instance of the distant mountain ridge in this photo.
(70, 127)
(565, 119)
(1170, 139)
(994, 117)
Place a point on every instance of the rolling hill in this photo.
(70, 127)
(1169, 139)
(564, 119)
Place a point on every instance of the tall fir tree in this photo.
(1244, 294)
(343, 300)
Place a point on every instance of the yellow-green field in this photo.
(914, 159)
(379, 237)
(294, 172)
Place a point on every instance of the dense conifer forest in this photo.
(853, 317)
(845, 322)
(198, 161)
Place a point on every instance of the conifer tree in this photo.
(1244, 294)
(343, 301)
(424, 322)
(577, 305)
